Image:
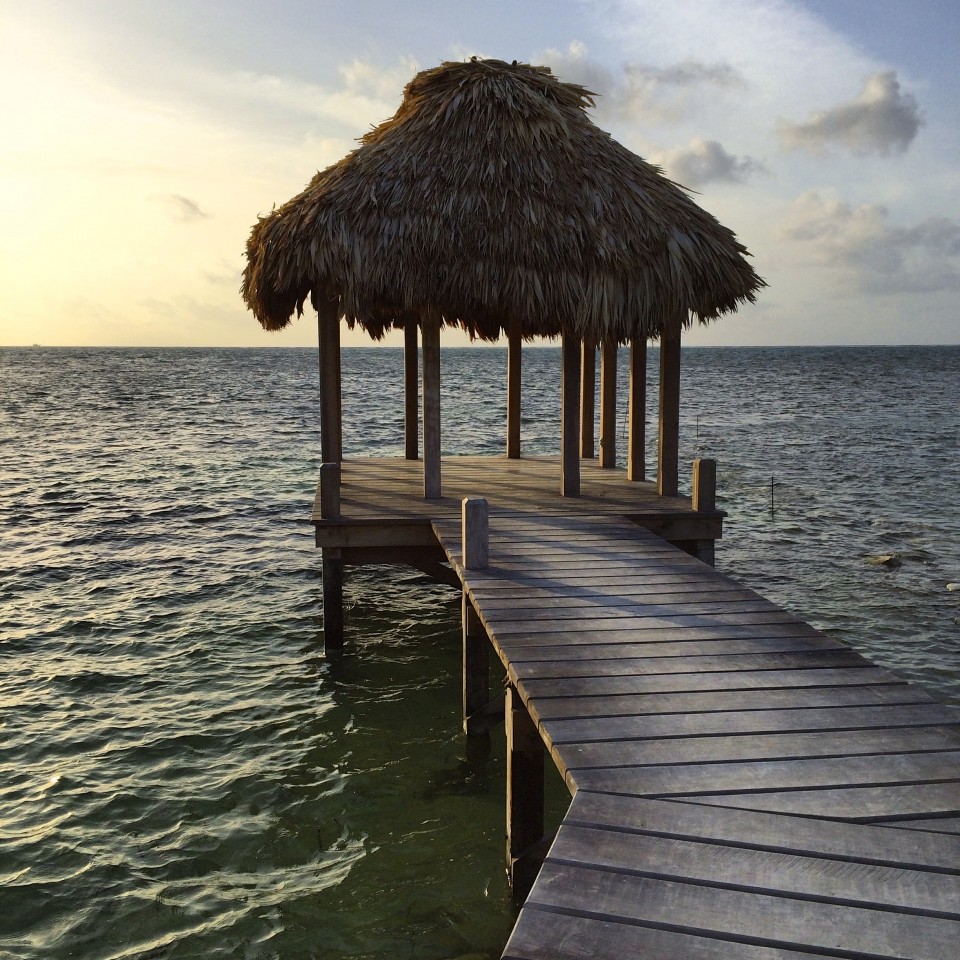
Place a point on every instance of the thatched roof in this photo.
(490, 194)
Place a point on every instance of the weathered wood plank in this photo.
(767, 831)
(766, 919)
(691, 651)
(643, 666)
(809, 877)
(549, 935)
(734, 680)
(575, 757)
(859, 804)
(746, 721)
(770, 776)
(638, 704)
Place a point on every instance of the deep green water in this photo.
(184, 773)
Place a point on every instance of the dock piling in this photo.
(525, 796)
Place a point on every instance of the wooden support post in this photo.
(331, 429)
(608, 403)
(430, 334)
(475, 533)
(669, 434)
(636, 467)
(525, 795)
(514, 344)
(330, 491)
(588, 381)
(476, 672)
(570, 417)
(705, 501)
(704, 485)
(332, 571)
(411, 383)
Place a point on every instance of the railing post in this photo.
(704, 500)
(330, 491)
(476, 533)
(704, 485)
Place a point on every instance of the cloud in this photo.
(879, 257)
(181, 209)
(638, 91)
(705, 161)
(881, 120)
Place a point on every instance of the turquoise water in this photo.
(184, 773)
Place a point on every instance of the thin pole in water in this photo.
(771, 494)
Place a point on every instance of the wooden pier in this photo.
(743, 785)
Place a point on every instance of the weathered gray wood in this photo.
(577, 757)
(704, 499)
(669, 431)
(788, 922)
(734, 681)
(818, 878)
(636, 458)
(430, 334)
(331, 430)
(949, 825)
(638, 704)
(766, 777)
(476, 670)
(766, 831)
(525, 795)
(859, 804)
(330, 491)
(475, 552)
(608, 404)
(641, 666)
(712, 625)
(556, 654)
(722, 723)
(514, 368)
(548, 935)
(588, 380)
(411, 390)
(570, 418)
(332, 582)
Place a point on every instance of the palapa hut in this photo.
(491, 202)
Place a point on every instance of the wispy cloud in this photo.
(182, 209)
(706, 161)
(638, 91)
(879, 257)
(881, 120)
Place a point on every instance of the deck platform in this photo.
(744, 787)
(382, 504)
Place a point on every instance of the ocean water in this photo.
(185, 773)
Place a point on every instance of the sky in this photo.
(141, 140)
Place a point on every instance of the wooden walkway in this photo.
(744, 786)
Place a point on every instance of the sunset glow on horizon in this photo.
(141, 144)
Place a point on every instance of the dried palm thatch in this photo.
(490, 195)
